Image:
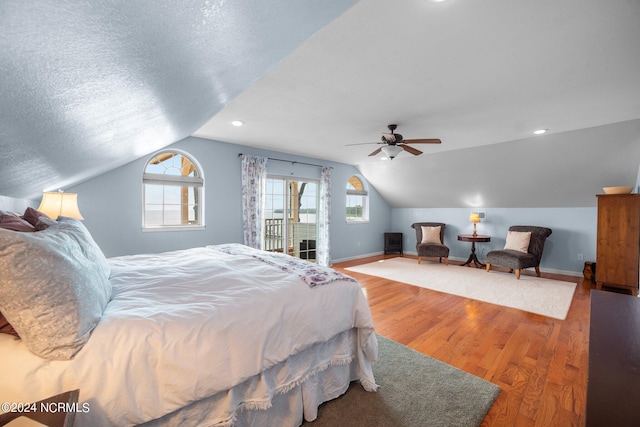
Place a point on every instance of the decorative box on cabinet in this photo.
(618, 242)
(393, 243)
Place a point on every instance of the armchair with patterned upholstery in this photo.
(430, 241)
(526, 255)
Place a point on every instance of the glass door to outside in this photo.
(291, 217)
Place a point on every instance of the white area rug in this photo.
(547, 297)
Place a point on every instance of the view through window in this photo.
(172, 191)
(291, 207)
(357, 201)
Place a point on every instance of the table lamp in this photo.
(59, 203)
(474, 218)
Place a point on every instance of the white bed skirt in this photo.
(332, 367)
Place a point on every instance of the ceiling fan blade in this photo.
(375, 152)
(364, 143)
(422, 141)
(410, 149)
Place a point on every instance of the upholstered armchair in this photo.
(430, 241)
(518, 254)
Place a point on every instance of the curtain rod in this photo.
(293, 162)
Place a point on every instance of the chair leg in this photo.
(440, 260)
(538, 271)
(518, 274)
(419, 260)
(446, 261)
(488, 267)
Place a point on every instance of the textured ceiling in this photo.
(90, 85)
(473, 73)
(468, 72)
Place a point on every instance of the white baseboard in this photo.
(356, 257)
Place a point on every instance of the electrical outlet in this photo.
(580, 257)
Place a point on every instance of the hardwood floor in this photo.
(540, 363)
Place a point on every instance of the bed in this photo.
(220, 335)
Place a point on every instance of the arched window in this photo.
(173, 196)
(357, 200)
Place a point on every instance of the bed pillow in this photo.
(44, 222)
(80, 233)
(53, 288)
(32, 215)
(15, 223)
(6, 328)
(518, 241)
(431, 235)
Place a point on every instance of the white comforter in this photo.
(185, 325)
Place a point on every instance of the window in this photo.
(172, 195)
(357, 201)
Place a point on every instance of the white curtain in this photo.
(323, 246)
(254, 178)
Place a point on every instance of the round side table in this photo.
(473, 239)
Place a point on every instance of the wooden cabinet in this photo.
(618, 243)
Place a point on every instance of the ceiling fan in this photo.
(394, 143)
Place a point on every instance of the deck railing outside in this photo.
(273, 233)
(298, 231)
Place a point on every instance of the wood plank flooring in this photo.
(540, 363)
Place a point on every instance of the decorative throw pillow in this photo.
(44, 222)
(32, 215)
(431, 235)
(6, 328)
(54, 287)
(518, 241)
(15, 223)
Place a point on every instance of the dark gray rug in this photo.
(415, 391)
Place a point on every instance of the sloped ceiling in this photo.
(480, 75)
(88, 86)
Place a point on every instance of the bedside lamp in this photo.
(474, 218)
(59, 203)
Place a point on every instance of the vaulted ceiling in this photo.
(87, 86)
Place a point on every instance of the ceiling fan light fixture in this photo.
(391, 151)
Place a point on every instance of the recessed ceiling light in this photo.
(237, 123)
(540, 131)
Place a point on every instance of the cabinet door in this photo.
(618, 240)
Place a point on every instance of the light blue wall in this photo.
(11, 204)
(112, 204)
(574, 232)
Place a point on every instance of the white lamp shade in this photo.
(391, 150)
(57, 203)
